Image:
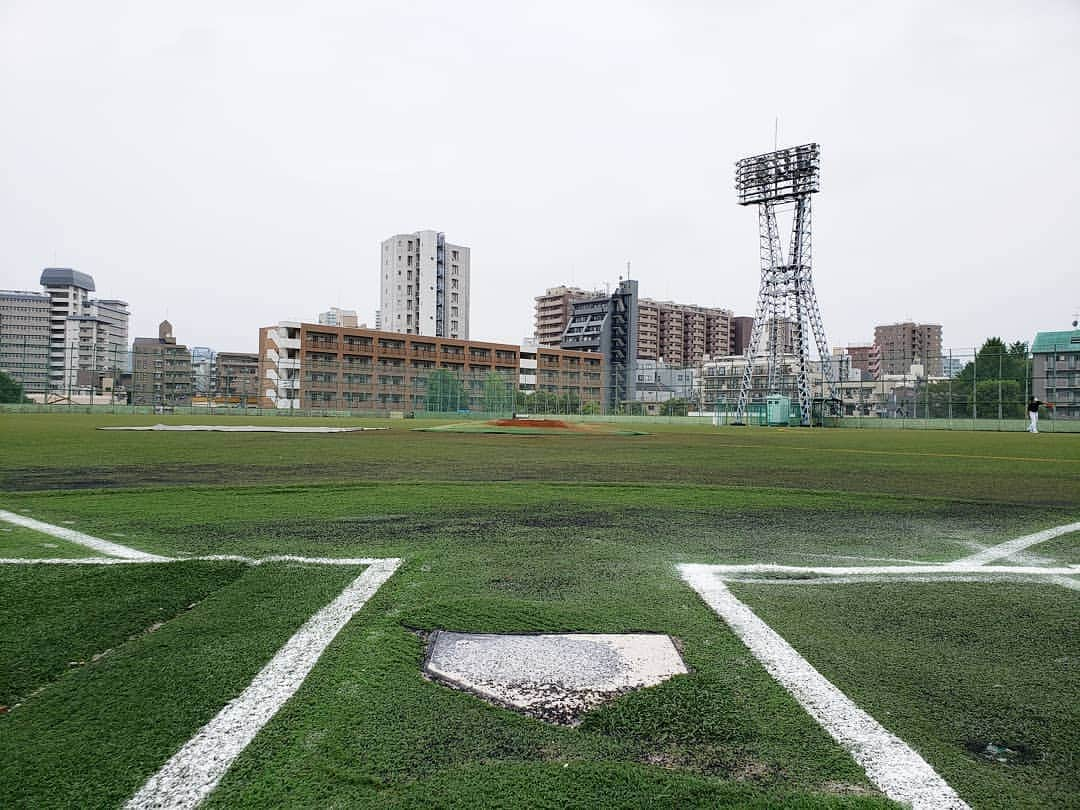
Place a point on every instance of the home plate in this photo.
(554, 677)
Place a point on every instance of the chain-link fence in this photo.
(985, 389)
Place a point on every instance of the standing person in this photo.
(1033, 415)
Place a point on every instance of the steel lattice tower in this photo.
(786, 296)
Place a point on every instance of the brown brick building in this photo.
(312, 366)
(904, 344)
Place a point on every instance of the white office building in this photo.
(424, 286)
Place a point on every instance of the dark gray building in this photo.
(161, 374)
(609, 325)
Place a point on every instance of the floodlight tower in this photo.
(786, 294)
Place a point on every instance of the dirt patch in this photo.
(536, 423)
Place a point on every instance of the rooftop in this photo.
(1067, 341)
(66, 277)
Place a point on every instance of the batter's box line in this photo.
(193, 772)
(890, 763)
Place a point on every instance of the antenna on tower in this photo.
(776, 134)
(627, 269)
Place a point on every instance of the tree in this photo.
(675, 407)
(445, 392)
(498, 394)
(10, 390)
(591, 408)
(569, 402)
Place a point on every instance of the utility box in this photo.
(778, 409)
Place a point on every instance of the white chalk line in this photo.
(253, 561)
(1011, 547)
(892, 765)
(105, 547)
(195, 770)
(728, 571)
(880, 578)
(889, 762)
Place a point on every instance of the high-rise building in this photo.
(903, 345)
(161, 370)
(24, 338)
(424, 286)
(608, 324)
(741, 328)
(553, 310)
(81, 343)
(866, 359)
(335, 316)
(682, 334)
(674, 333)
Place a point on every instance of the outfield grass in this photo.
(528, 533)
(1002, 467)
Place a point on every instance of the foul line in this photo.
(1011, 547)
(897, 770)
(97, 544)
(195, 770)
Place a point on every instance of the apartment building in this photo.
(424, 286)
(682, 334)
(335, 316)
(1055, 371)
(236, 378)
(903, 345)
(80, 342)
(866, 359)
(24, 338)
(161, 372)
(608, 325)
(553, 310)
(313, 366)
(742, 326)
(562, 372)
(675, 333)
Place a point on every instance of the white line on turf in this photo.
(890, 763)
(944, 569)
(1010, 547)
(97, 544)
(195, 770)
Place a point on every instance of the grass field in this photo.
(106, 671)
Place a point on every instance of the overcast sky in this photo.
(233, 164)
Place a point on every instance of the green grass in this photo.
(76, 614)
(951, 669)
(92, 737)
(20, 543)
(1064, 550)
(988, 467)
(517, 534)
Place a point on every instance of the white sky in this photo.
(230, 169)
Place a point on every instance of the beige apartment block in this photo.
(903, 345)
(424, 286)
